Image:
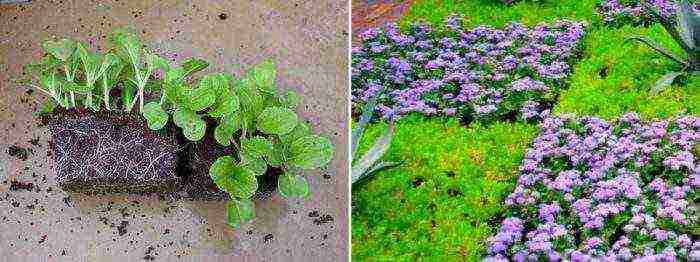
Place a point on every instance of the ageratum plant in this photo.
(636, 12)
(686, 32)
(475, 74)
(591, 190)
(249, 113)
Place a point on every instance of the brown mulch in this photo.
(373, 13)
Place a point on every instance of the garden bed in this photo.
(617, 190)
(474, 74)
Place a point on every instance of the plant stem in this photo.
(106, 94)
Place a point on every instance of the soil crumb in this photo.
(19, 152)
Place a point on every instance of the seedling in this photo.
(250, 114)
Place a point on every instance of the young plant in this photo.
(364, 167)
(253, 118)
(686, 32)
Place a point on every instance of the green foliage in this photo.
(248, 111)
(155, 116)
(437, 206)
(291, 185)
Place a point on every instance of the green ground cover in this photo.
(447, 199)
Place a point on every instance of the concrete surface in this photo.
(308, 39)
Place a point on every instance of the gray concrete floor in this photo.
(308, 39)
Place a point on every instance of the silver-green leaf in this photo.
(155, 116)
(310, 152)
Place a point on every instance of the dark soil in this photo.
(19, 152)
(196, 180)
(103, 152)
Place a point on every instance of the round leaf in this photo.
(193, 126)
(238, 211)
(228, 125)
(277, 120)
(256, 165)
(290, 185)
(155, 116)
(235, 180)
(311, 152)
(61, 49)
(257, 146)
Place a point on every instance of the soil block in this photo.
(109, 152)
(200, 156)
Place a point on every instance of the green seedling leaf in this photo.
(226, 103)
(62, 49)
(46, 108)
(228, 125)
(291, 185)
(71, 86)
(155, 116)
(277, 120)
(193, 65)
(251, 102)
(257, 147)
(237, 181)
(156, 62)
(263, 76)
(276, 158)
(300, 130)
(201, 98)
(291, 99)
(310, 152)
(127, 46)
(256, 165)
(239, 211)
(193, 126)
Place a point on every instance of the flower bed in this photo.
(613, 190)
(481, 73)
(636, 12)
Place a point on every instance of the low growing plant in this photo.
(686, 32)
(474, 74)
(249, 112)
(591, 190)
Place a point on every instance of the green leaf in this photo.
(665, 81)
(237, 181)
(128, 89)
(277, 120)
(127, 45)
(46, 108)
(71, 86)
(257, 146)
(238, 211)
(251, 102)
(310, 152)
(156, 62)
(301, 130)
(201, 97)
(155, 116)
(226, 103)
(291, 185)
(193, 65)
(193, 126)
(276, 158)
(263, 75)
(228, 125)
(291, 99)
(256, 165)
(62, 49)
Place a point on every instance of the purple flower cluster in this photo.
(481, 72)
(637, 12)
(609, 191)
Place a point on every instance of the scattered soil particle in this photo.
(35, 141)
(17, 185)
(268, 238)
(43, 239)
(323, 220)
(314, 214)
(122, 227)
(223, 16)
(19, 152)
